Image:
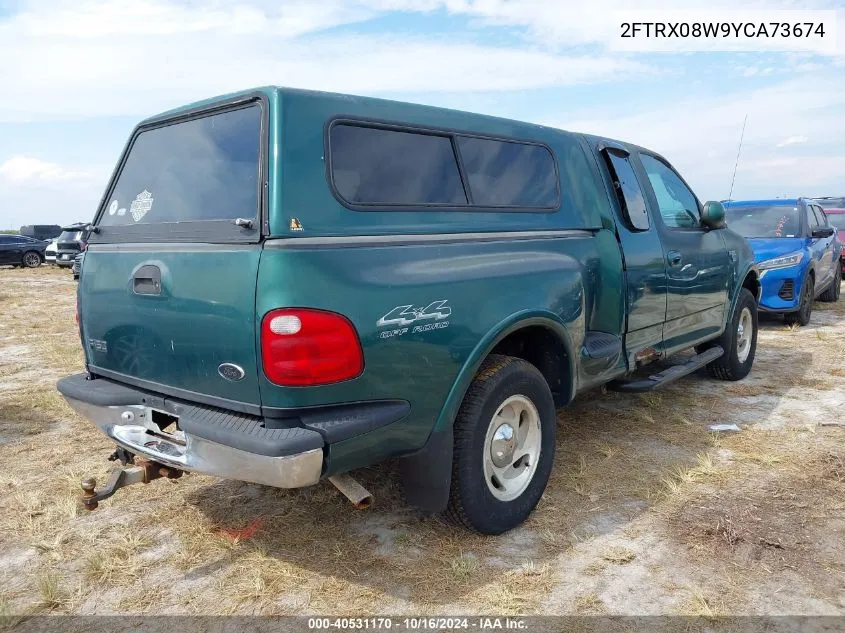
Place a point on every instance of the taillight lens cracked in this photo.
(302, 347)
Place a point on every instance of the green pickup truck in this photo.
(283, 286)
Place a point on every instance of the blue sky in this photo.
(76, 75)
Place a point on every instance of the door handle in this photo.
(675, 258)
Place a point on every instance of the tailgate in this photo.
(173, 318)
(167, 296)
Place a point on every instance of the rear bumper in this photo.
(208, 440)
(65, 258)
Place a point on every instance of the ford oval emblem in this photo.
(230, 371)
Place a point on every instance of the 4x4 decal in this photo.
(435, 313)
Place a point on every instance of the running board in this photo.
(669, 374)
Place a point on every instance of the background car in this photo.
(76, 269)
(836, 217)
(20, 250)
(51, 251)
(796, 251)
(73, 240)
(830, 202)
(44, 232)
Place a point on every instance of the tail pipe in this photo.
(360, 497)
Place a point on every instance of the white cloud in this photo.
(141, 75)
(137, 57)
(25, 169)
(97, 18)
(35, 191)
(95, 58)
(793, 140)
(700, 135)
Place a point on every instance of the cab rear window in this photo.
(383, 167)
(201, 169)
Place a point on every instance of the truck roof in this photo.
(283, 91)
(773, 202)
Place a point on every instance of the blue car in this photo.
(796, 250)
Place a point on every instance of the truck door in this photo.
(698, 265)
(645, 269)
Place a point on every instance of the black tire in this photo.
(31, 259)
(471, 502)
(805, 305)
(729, 366)
(832, 292)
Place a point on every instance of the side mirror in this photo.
(713, 215)
(822, 232)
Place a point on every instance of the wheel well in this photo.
(541, 347)
(752, 283)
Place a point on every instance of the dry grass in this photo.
(618, 555)
(628, 469)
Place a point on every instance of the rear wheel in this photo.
(805, 304)
(504, 446)
(832, 293)
(31, 259)
(739, 340)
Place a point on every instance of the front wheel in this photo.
(739, 340)
(504, 446)
(832, 293)
(805, 304)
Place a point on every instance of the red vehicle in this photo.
(834, 209)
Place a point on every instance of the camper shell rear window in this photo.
(196, 177)
(382, 166)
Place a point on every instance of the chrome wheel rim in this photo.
(512, 448)
(31, 259)
(744, 334)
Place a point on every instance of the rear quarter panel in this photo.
(487, 285)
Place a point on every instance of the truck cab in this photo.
(282, 286)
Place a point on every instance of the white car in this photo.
(50, 253)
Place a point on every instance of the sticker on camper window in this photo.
(142, 203)
(113, 207)
(121, 211)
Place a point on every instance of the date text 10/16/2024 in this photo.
(419, 624)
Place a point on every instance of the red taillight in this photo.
(302, 347)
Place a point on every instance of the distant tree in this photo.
(10, 231)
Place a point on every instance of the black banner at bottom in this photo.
(448, 624)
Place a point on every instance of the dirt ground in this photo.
(646, 513)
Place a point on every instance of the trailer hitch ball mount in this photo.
(142, 471)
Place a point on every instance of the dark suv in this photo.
(73, 240)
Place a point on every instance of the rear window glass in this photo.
(70, 236)
(626, 184)
(201, 169)
(375, 166)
